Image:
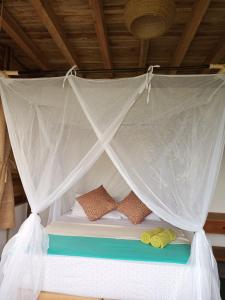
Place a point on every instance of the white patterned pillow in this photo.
(77, 211)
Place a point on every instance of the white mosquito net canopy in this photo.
(163, 134)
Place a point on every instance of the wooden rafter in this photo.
(199, 10)
(144, 51)
(97, 12)
(51, 23)
(13, 29)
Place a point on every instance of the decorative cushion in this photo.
(133, 208)
(97, 203)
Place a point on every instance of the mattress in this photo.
(112, 279)
(109, 228)
(116, 249)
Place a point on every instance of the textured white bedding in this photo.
(111, 279)
(111, 228)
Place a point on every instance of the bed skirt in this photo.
(107, 278)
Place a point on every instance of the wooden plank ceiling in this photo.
(56, 34)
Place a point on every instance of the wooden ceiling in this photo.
(56, 34)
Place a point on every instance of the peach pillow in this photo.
(97, 203)
(133, 208)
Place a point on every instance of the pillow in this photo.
(133, 208)
(97, 203)
(77, 211)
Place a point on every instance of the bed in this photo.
(92, 276)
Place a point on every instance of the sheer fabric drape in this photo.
(7, 214)
(168, 151)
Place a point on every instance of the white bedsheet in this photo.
(109, 228)
(111, 279)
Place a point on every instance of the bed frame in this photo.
(56, 296)
(215, 224)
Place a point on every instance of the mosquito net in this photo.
(164, 136)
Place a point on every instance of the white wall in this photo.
(218, 202)
(21, 212)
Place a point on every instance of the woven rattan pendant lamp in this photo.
(147, 19)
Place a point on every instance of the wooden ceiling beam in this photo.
(144, 51)
(98, 16)
(49, 19)
(16, 33)
(198, 12)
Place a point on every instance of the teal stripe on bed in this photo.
(117, 249)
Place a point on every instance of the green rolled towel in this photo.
(163, 238)
(147, 235)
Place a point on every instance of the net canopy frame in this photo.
(164, 135)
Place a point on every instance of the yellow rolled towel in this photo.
(163, 238)
(147, 235)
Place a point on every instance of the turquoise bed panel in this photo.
(117, 249)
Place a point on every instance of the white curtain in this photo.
(168, 151)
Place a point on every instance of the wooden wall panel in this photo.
(215, 223)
